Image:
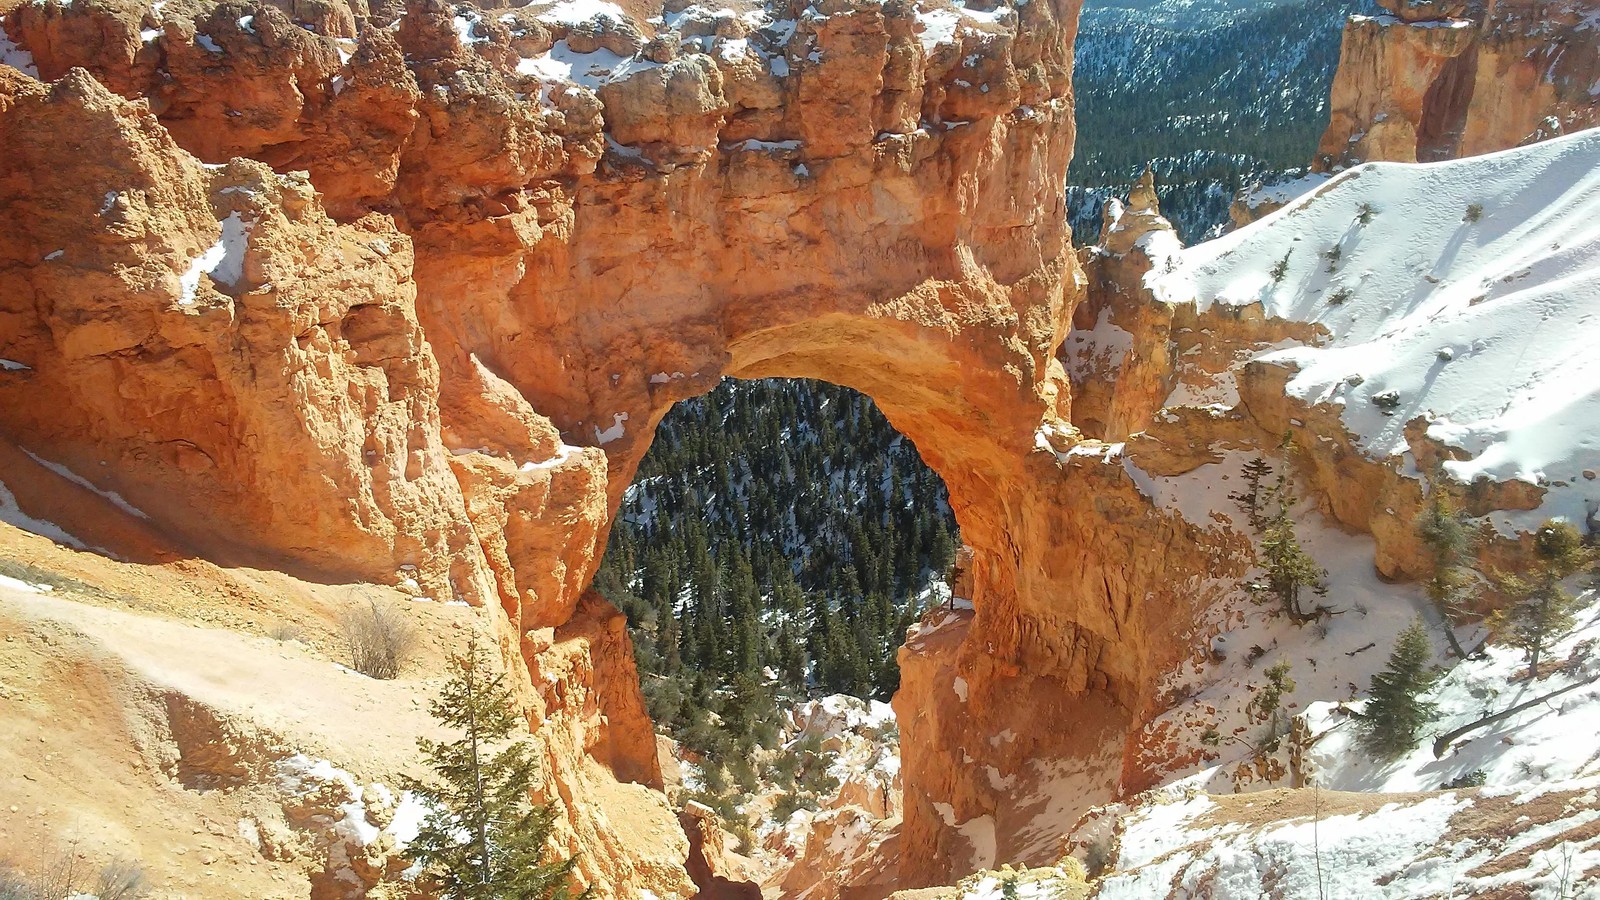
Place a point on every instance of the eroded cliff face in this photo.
(437, 360)
(1438, 80)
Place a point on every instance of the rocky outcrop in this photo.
(708, 862)
(1438, 80)
(597, 218)
(1118, 380)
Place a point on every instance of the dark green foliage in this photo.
(1364, 213)
(1250, 499)
(1280, 269)
(1290, 569)
(772, 547)
(483, 839)
(1474, 213)
(1267, 704)
(1541, 608)
(1395, 715)
(1444, 531)
(1215, 99)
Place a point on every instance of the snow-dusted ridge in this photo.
(1466, 292)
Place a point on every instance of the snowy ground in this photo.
(1463, 292)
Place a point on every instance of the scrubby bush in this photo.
(64, 875)
(381, 639)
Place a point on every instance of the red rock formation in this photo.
(874, 201)
(708, 857)
(1439, 80)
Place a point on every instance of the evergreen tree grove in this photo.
(483, 839)
(1396, 714)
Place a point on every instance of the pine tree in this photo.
(1249, 499)
(1444, 530)
(483, 839)
(1289, 568)
(1394, 717)
(1542, 610)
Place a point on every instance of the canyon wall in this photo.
(1430, 80)
(399, 295)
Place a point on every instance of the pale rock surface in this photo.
(1429, 80)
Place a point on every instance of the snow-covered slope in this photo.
(1465, 292)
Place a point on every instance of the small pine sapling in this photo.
(1396, 713)
(1267, 705)
(483, 839)
(1250, 499)
(1290, 569)
(1280, 269)
(1541, 609)
(1443, 530)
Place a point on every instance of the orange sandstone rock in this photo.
(1439, 80)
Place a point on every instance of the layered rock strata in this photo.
(436, 359)
(1426, 81)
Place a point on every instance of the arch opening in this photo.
(777, 540)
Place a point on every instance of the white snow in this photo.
(299, 775)
(464, 26)
(938, 27)
(12, 514)
(16, 57)
(1534, 747)
(1098, 349)
(616, 430)
(11, 365)
(1492, 258)
(115, 498)
(562, 455)
(576, 12)
(223, 261)
(205, 42)
(1347, 857)
(27, 587)
(753, 144)
(561, 63)
(1282, 192)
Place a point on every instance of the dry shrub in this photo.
(381, 639)
(65, 875)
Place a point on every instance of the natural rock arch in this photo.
(873, 218)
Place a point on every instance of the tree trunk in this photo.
(1445, 740)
